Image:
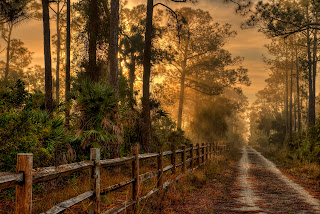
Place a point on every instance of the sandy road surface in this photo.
(262, 188)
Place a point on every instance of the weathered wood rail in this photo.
(26, 176)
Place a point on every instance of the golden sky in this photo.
(248, 43)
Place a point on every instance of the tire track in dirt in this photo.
(248, 199)
(262, 188)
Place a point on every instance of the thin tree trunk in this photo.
(8, 53)
(47, 57)
(181, 98)
(295, 113)
(182, 84)
(132, 77)
(92, 70)
(291, 86)
(67, 88)
(132, 70)
(146, 126)
(314, 74)
(298, 90)
(113, 58)
(287, 94)
(58, 54)
(311, 120)
(113, 46)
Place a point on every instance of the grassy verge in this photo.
(199, 191)
(291, 164)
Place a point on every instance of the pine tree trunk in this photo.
(291, 86)
(182, 84)
(287, 94)
(298, 90)
(311, 120)
(58, 55)
(146, 126)
(181, 98)
(47, 57)
(295, 113)
(92, 70)
(8, 53)
(314, 73)
(67, 88)
(132, 70)
(113, 46)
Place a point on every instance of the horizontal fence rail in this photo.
(26, 176)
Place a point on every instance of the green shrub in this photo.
(24, 127)
(97, 123)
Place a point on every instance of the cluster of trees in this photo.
(130, 69)
(285, 110)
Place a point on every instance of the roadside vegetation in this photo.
(284, 119)
(205, 190)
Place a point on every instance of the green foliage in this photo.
(308, 148)
(96, 123)
(15, 96)
(164, 130)
(95, 99)
(26, 128)
(304, 147)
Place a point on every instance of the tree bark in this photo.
(92, 70)
(182, 84)
(8, 53)
(47, 57)
(146, 126)
(298, 90)
(132, 70)
(314, 73)
(311, 116)
(58, 54)
(295, 113)
(287, 94)
(113, 46)
(67, 88)
(291, 86)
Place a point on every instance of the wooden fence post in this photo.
(95, 176)
(135, 173)
(173, 159)
(198, 154)
(191, 156)
(160, 167)
(184, 167)
(24, 191)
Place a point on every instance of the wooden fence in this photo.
(26, 176)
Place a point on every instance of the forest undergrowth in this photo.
(304, 172)
(205, 190)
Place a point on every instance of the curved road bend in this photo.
(262, 188)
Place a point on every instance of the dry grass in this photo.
(46, 195)
(176, 195)
(291, 164)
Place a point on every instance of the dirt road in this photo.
(248, 184)
(263, 188)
